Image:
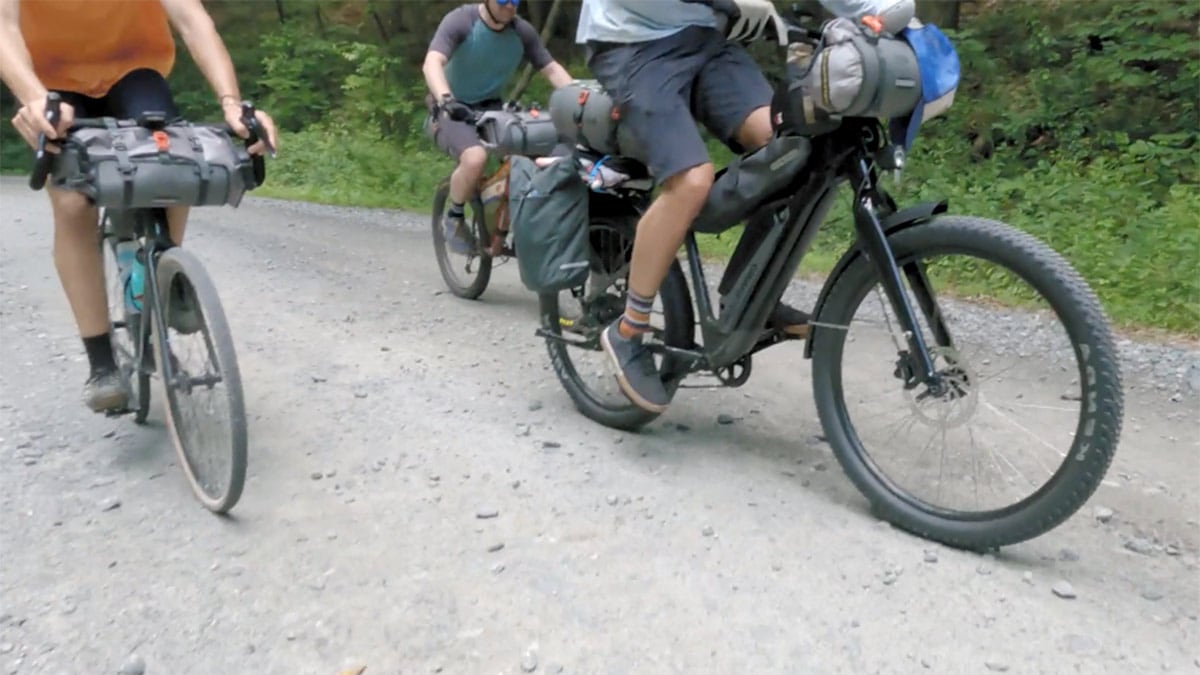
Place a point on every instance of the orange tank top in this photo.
(86, 46)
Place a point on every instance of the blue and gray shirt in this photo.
(481, 60)
(628, 21)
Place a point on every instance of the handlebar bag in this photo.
(530, 133)
(128, 166)
(852, 73)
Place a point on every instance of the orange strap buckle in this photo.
(162, 141)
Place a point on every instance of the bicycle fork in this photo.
(871, 233)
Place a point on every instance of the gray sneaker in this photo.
(636, 372)
(106, 392)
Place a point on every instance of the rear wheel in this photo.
(205, 410)
(580, 314)
(1028, 416)
(466, 276)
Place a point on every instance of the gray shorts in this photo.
(663, 87)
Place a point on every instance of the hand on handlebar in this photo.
(31, 121)
(252, 125)
(456, 110)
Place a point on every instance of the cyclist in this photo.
(666, 64)
(475, 51)
(106, 58)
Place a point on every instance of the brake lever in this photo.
(41, 157)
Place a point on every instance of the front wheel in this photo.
(578, 316)
(466, 276)
(1028, 413)
(205, 411)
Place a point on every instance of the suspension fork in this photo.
(874, 239)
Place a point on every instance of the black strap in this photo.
(202, 163)
(125, 166)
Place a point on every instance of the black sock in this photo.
(456, 210)
(99, 353)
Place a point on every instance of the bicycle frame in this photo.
(841, 156)
(151, 225)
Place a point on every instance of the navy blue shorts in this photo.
(140, 91)
(663, 87)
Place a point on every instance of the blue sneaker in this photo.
(454, 231)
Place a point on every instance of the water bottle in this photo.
(132, 274)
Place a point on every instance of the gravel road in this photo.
(423, 498)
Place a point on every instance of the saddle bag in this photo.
(585, 114)
(128, 166)
(549, 220)
(530, 133)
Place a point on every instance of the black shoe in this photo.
(636, 372)
(106, 391)
(791, 321)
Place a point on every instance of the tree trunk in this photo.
(547, 29)
(279, 9)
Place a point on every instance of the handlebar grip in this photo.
(256, 134)
(41, 158)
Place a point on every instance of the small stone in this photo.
(931, 556)
(316, 475)
(551, 444)
(889, 578)
(1103, 514)
(109, 503)
(819, 466)
(134, 665)
(707, 531)
(1152, 595)
(529, 661)
(535, 406)
(495, 547)
(6, 647)
(683, 427)
(1171, 550)
(1067, 555)
(724, 418)
(497, 568)
(318, 379)
(996, 665)
(433, 478)
(486, 512)
(360, 394)
(612, 500)
(523, 429)
(1063, 589)
(1140, 545)
(1176, 397)
(331, 473)
(1027, 577)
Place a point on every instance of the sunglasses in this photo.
(505, 3)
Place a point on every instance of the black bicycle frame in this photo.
(152, 225)
(795, 223)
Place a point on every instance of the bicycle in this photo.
(487, 212)
(180, 298)
(936, 375)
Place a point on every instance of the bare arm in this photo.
(16, 68)
(557, 75)
(196, 28)
(435, 74)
